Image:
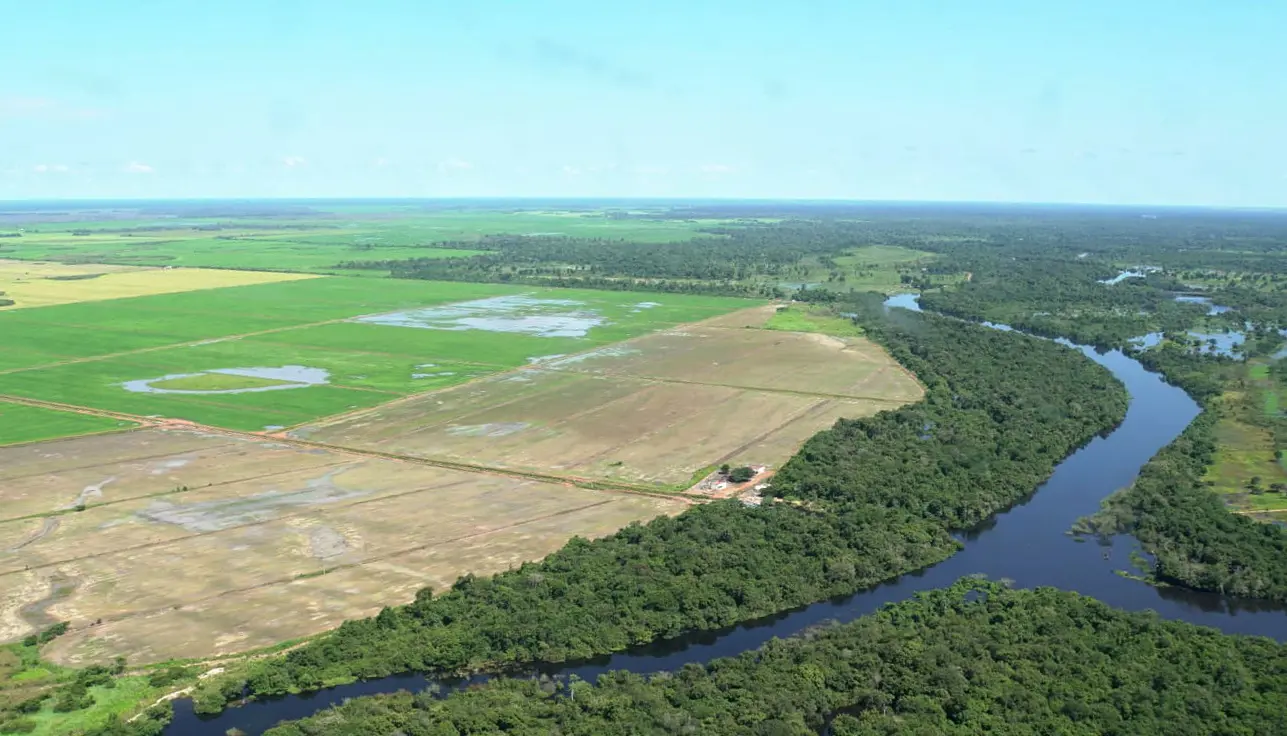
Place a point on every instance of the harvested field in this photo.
(808, 363)
(37, 284)
(193, 545)
(653, 410)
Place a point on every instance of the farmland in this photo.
(439, 428)
(191, 544)
(331, 345)
(199, 459)
(656, 409)
(310, 241)
(35, 284)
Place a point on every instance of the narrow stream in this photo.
(1027, 544)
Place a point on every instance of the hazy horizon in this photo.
(1148, 104)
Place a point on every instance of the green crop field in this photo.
(226, 357)
(21, 423)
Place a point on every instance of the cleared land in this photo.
(38, 284)
(658, 409)
(193, 544)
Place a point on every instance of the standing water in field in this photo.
(259, 379)
(521, 314)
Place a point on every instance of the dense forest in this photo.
(973, 658)
(998, 429)
(978, 442)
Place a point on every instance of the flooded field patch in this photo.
(519, 313)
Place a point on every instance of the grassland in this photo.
(1248, 470)
(21, 423)
(803, 318)
(866, 268)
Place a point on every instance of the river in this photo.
(1028, 544)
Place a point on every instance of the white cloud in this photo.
(716, 169)
(134, 167)
(569, 170)
(380, 162)
(51, 168)
(291, 162)
(650, 170)
(454, 164)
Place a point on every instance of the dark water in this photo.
(1027, 544)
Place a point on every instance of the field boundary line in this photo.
(807, 411)
(246, 525)
(170, 492)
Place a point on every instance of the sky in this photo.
(1182, 102)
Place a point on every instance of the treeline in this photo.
(1001, 409)
(720, 564)
(711, 567)
(727, 260)
(973, 658)
(1193, 538)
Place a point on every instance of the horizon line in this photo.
(63, 201)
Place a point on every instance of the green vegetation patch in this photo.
(813, 319)
(216, 382)
(22, 423)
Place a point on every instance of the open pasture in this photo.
(277, 355)
(654, 410)
(193, 545)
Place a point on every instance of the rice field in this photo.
(22, 423)
(169, 544)
(231, 357)
(654, 410)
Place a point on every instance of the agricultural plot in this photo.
(46, 284)
(273, 356)
(21, 423)
(315, 243)
(159, 544)
(655, 410)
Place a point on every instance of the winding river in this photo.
(1027, 544)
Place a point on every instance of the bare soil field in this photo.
(263, 532)
(653, 410)
(770, 360)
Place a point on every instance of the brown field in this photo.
(41, 284)
(265, 532)
(657, 409)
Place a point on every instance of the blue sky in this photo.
(1179, 102)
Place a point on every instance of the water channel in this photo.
(1027, 544)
